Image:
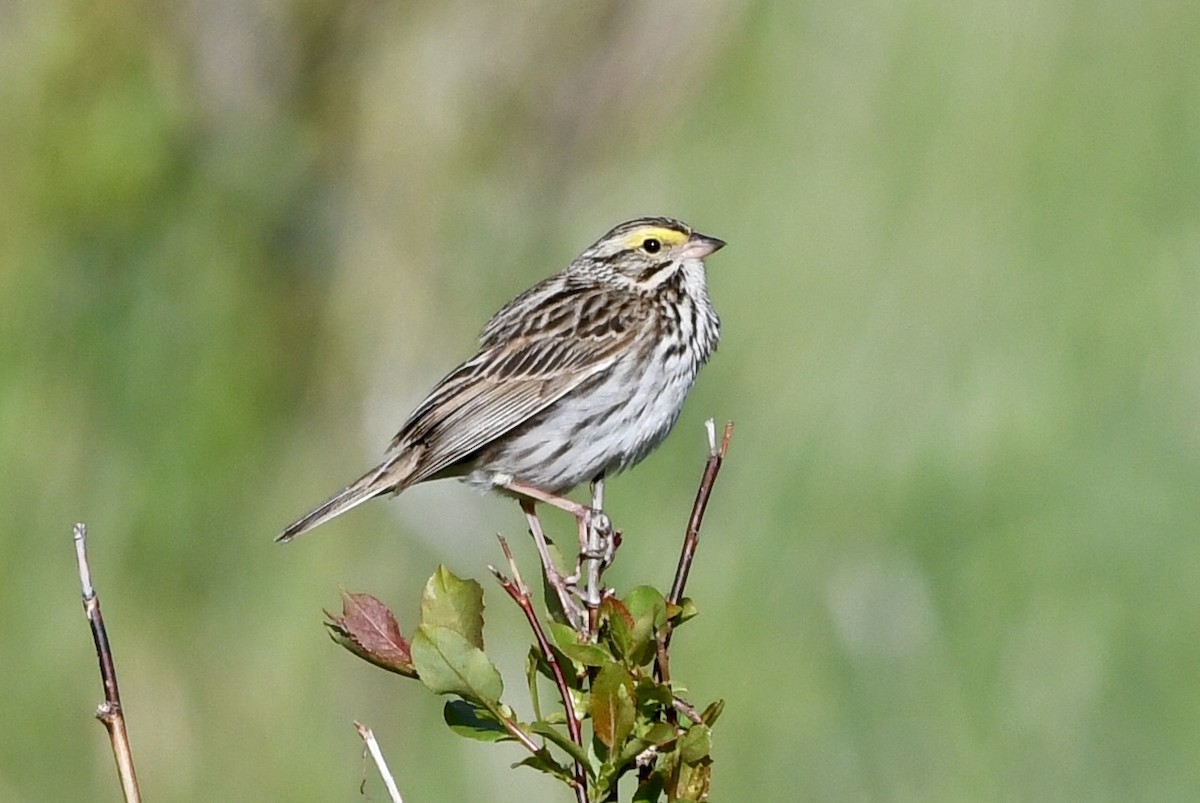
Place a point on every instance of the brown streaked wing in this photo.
(520, 315)
(499, 388)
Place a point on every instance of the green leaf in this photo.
(630, 750)
(474, 722)
(611, 706)
(713, 711)
(563, 741)
(659, 734)
(694, 783)
(449, 664)
(696, 744)
(685, 610)
(650, 790)
(651, 694)
(649, 611)
(531, 673)
(573, 672)
(555, 718)
(544, 762)
(451, 602)
(647, 602)
(585, 653)
(549, 595)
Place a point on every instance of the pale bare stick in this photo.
(691, 538)
(716, 455)
(110, 711)
(368, 737)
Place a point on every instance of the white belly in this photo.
(604, 430)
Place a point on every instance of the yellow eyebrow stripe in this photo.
(668, 237)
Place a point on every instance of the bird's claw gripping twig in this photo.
(597, 547)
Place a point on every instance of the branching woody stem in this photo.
(519, 592)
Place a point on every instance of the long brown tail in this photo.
(379, 480)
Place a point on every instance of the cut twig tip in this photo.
(517, 581)
(79, 536)
(368, 737)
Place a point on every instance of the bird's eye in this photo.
(651, 246)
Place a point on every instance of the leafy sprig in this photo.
(620, 712)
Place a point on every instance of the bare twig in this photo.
(662, 659)
(687, 709)
(519, 592)
(691, 539)
(716, 455)
(368, 737)
(109, 712)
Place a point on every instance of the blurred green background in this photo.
(953, 555)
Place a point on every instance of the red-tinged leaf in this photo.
(617, 622)
(612, 706)
(369, 629)
(612, 608)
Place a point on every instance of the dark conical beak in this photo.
(700, 245)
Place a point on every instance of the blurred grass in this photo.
(952, 555)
